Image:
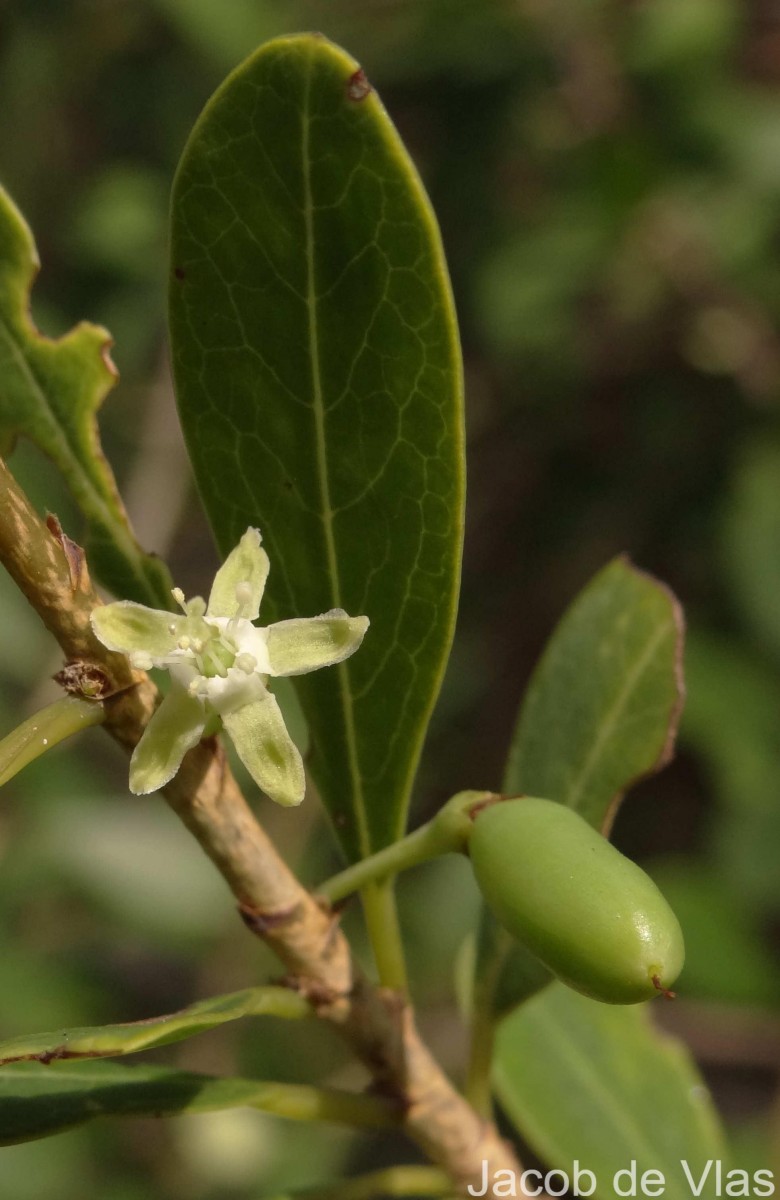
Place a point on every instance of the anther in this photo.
(243, 596)
(178, 596)
(246, 662)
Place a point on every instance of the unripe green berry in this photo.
(592, 916)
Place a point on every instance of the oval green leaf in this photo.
(603, 706)
(599, 1083)
(318, 377)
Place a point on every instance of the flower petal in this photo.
(134, 628)
(247, 564)
(173, 730)
(306, 643)
(267, 751)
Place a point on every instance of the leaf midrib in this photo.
(624, 1126)
(613, 717)
(321, 449)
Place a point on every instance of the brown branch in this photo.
(377, 1023)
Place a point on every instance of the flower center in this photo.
(214, 645)
(210, 649)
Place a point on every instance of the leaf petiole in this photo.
(446, 833)
(384, 933)
(44, 730)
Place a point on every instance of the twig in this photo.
(378, 1023)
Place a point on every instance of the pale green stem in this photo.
(44, 730)
(206, 797)
(384, 933)
(478, 1089)
(448, 831)
(392, 1181)
(410, 851)
(303, 1102)
(295, 1101)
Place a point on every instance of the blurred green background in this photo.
(607, 177)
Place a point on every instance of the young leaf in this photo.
(50, 391)
(604, 703)
(37, 1100)
(318, 375)
(110, 1041)
(583, 1080)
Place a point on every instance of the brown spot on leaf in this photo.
(358, 86)
(179, 273)
(58, 1054)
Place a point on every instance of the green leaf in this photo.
(604, 703)
(50, 391)
(318, 375)
(109, 1041)
(598, 1083)
(37, 1101)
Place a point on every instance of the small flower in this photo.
(219, 663)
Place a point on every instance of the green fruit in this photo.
(592, 916)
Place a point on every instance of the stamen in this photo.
(171, 628)
(194, 685)
(197, 645)
(178, 596)
(246, 662)
(184, 643)
(243, 597)
(141, 660)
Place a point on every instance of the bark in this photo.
(377, 1023)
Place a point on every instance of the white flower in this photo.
(219, 663)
